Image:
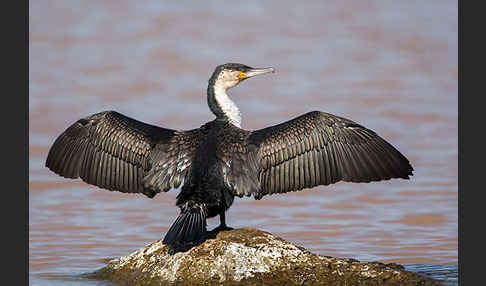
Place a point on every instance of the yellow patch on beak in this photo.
(242, 76)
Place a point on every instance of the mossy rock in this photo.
(249, 256)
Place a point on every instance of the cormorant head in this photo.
(231, 74)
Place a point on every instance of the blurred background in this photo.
(391, 66)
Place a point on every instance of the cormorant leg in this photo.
(222, 226)
(222, 219)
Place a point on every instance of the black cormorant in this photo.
(219, 160)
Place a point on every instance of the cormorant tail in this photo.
(189, 229)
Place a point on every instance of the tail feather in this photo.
(189, 229)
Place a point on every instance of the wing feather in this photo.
(116, 152)
(319, 148)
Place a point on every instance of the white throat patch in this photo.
(227, 106)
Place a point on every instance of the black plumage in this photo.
(219, 160)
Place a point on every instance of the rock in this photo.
(249, 257)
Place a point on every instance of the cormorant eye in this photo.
(242, 69)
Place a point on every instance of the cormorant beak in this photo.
(253, 72)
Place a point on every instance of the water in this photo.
(391, 67)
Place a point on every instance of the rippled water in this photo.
(390, 66)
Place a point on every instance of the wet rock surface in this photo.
(249, 256)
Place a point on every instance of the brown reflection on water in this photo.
(395, 74)
(428, 219)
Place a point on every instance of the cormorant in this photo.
(220, 160)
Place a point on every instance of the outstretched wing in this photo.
(319, 148)
(115, 152)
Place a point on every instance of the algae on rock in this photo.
(250, 257)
